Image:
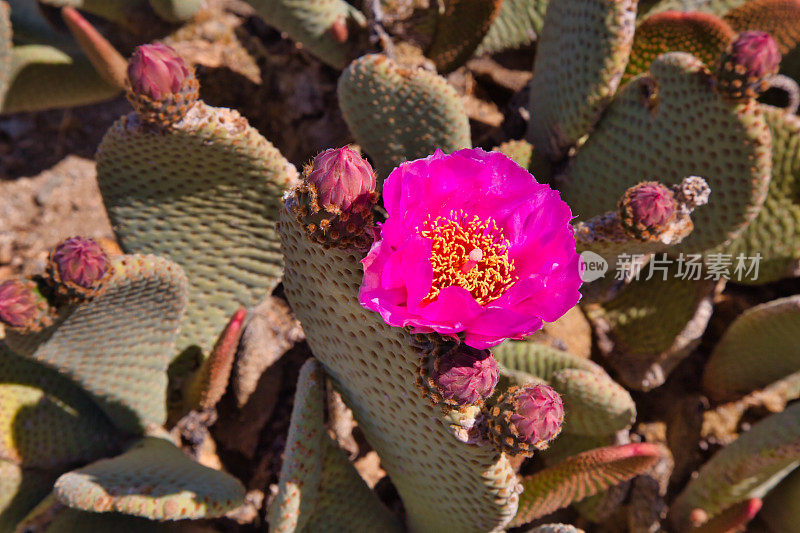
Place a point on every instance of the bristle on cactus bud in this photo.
(746, 66)
(22, 306)
(646, 209)
(335, 200)
(78, 268)
(526, 418)
(162, 88)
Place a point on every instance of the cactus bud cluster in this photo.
(456, 376)
(334, 203)
(747, 65)
(162, 88)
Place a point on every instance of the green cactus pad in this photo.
(398, 114)
(46, 421)
(315, 473)
(701, 34)
(538, 359)
(780, 510)
(118, 346)
(445, 484)
(5, 48)
(301, 470)
(517, 25)
(595, 404)
(651, 325)
(759, 348)
(581, 476)
(154, 480)
(460, 28)
(775, 232)
(204, 193)
(20, 491)
(310, 23)
(572, 82)
(520, 151)
(717, 7)
(667, 127)
(176, 10)
(45, 77)
(779, 18)
(747, 468)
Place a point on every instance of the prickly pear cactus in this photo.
(747, 468)
(397, 113)
(758, 349)
(140, 309)
(204, 193)
(460, 28)
(518, 24)
(462, 486)
(316, 473)
(643, 134)
(572, 84)
(154, 480)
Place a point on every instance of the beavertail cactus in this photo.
(526, 418)
(23, 307)
(746, 66)
(162, 87)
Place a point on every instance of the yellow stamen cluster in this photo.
(468, 253)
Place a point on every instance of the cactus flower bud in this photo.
(79, 267)
(538, 413)
(747, 65)
(335, 200)
(466, 375)
(156, 70)
(646, 209)
(162, 87)
(341, 176)
(22, 306)
(526, 418)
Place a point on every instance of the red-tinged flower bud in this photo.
(156, 70)
(162, 87)
(23, 307)
(745, 67)
(538, 413)
(466, 375)
(526, 418)
(646, 209)
(335, 200)
(341, 177)
(79, 267)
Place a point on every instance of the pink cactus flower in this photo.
(156, 70)
(467, 375)
(341, 177)
(755, 53)
(538, 413)
(472, 245)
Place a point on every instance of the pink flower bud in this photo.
(538, 413)
(79, 262)
(21, 305)
(467, 375)
(341, 176)
(647, 208)
(745, 67)
(156, 70)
